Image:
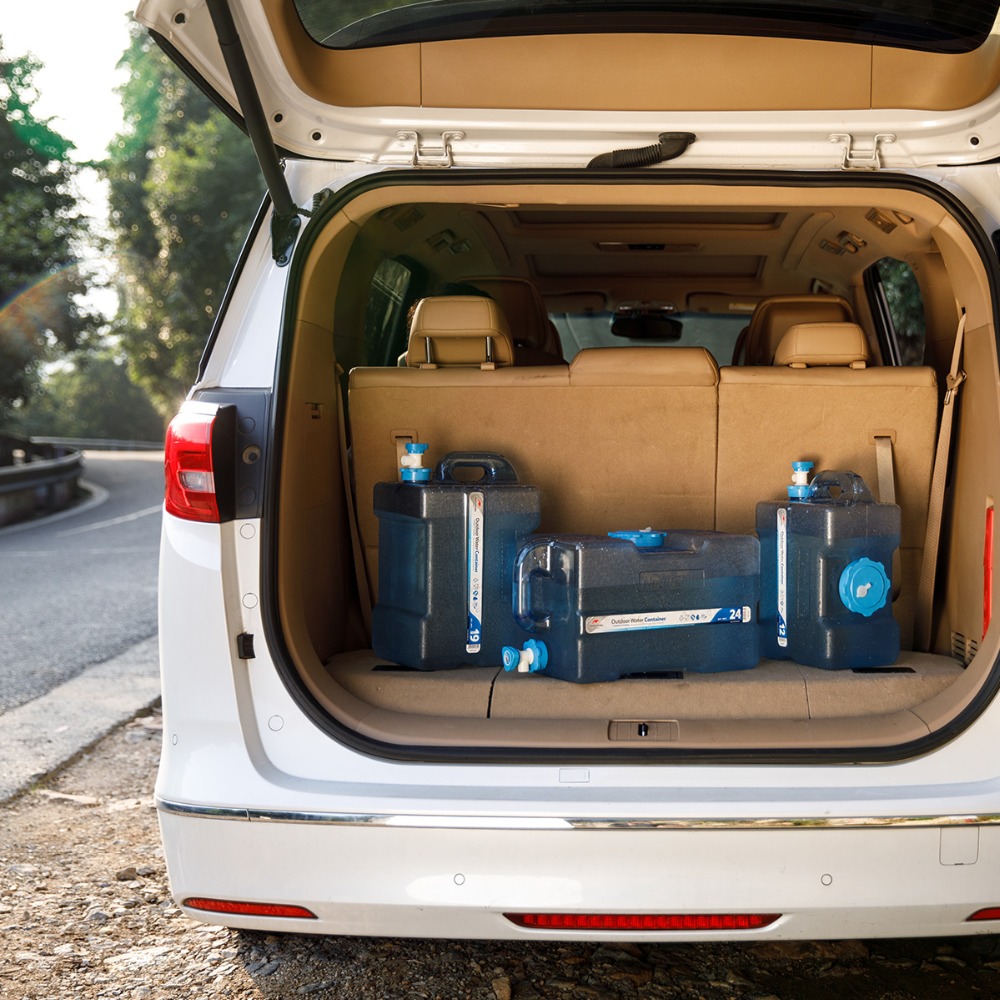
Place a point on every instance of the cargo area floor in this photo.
(778, 690)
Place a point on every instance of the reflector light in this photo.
(190, 479)
(644, 921)
(234, 906)
(989, 913)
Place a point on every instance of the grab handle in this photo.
(533, 560)
(839, 487)
(495, 468)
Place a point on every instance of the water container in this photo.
(600, 608)
(826, 567)
(446, 561)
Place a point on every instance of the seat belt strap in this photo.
(360, 571)
(935, 507)
(887, 494)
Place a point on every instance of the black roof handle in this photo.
(285, 221)
(669, 147)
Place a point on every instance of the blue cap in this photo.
(801, 466)
(798, 492)
(415, 449)
(864, 586)
(415, 475)
(644, 539)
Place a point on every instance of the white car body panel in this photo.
(252, 792)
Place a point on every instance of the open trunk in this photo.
(632, 447)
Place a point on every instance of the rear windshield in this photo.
(932, 25)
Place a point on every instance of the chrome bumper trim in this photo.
(439, 822)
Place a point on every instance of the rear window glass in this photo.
(715, 331)
(934, 25)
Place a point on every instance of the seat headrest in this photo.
(644, 366)
(814, 345)
(459, 330)
(773, 317)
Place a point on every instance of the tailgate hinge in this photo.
(427, 155)
(862, 153)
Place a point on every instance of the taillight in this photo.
(197, 455)
(644, 921)
(242, 908)
(989, 913)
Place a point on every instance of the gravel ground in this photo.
(85, 913)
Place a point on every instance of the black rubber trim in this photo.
(458, 178)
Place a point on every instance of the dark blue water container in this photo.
(446, 561)
(826, 576)
(647, 602)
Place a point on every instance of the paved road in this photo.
(80, 588)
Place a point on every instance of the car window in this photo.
(715, 331)
(899, 306)
(934, 25)
(393, 286)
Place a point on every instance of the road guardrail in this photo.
(36, 477)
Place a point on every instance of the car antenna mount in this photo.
(670, 146)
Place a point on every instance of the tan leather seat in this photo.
(525, 311)
(623, 437)
(773, 317)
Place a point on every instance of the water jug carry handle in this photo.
(495, 468)
(533, 560)
(850, 486)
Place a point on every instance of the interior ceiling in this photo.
(675, 254)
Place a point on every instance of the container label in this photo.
(475, 516)
(595, 624)
(782, 575)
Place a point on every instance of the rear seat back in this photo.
(621, 438)
(817, 407)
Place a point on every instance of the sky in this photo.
(79, 42)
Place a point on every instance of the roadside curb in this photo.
(43, 735)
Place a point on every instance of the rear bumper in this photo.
(406, 877)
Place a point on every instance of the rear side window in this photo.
(394, 286)
(934, 25)
(896, 294)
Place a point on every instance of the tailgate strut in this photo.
(285, 220)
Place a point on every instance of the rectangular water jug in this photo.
(646, 602)
(826, 575)
(446, 562)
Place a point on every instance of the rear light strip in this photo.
(644, 921)
(243, 908)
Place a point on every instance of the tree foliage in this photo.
(184, 186)
(92, 398)
(39, 223)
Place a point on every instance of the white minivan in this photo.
(651, 254)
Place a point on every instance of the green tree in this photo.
(91, 398)
(39, 280)
(184, 186)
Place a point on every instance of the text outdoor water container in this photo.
(826, 565)
(599, 608)
(446, 561)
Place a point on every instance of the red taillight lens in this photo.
(644, 921)
(990, 913)
(235, 906)
(190, 475)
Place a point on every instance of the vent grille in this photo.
(963, 648)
